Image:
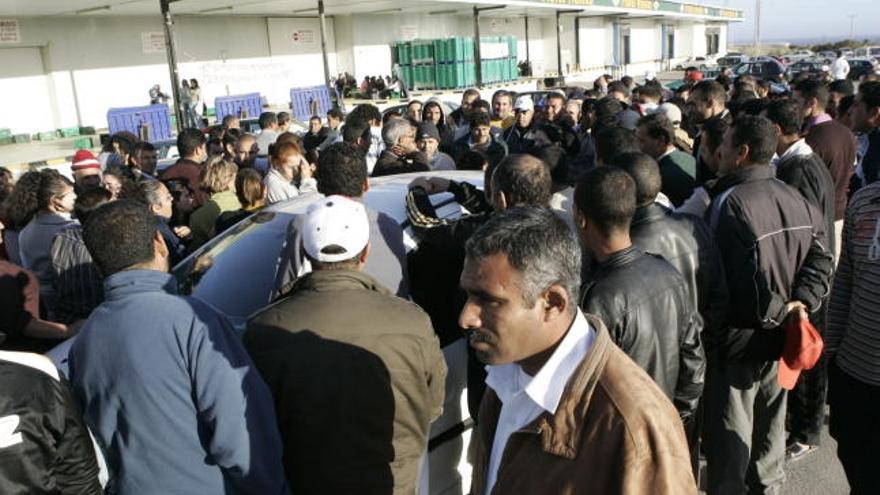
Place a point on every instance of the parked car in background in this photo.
(800, 55)
(867, 51)
(859, 67)
(699, 62)
(826, 55)
(809, 67)
(732, 60)
(762, 68)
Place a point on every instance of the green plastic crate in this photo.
(460, 49)
(6, 140)
(425, 76)
(404, 53)
(406, 73)
(5, 133)
(423, 52)
(21, 138)
(441, 54)
(83, 143)
(46, 136)
(69, 132)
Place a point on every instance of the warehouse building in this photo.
(64, 63)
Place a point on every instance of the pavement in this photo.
(817, 473)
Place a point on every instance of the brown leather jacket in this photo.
(614, 432)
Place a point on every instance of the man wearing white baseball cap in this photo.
(521, 137)
(357, 374)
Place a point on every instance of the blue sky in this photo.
(798, 19)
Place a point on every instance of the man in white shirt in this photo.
(840, 67)
(566, 411)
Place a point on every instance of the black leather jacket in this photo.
(686, 242)
(774, 248)
(44, 444)
(645, 304)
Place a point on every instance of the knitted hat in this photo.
(84, 159)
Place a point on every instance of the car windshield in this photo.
(211, 275)
(744, 69)
(250, 251)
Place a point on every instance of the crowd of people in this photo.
(647, 278)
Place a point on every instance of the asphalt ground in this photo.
(816, 473)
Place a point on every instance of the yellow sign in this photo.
(637, 4)
(695, 9)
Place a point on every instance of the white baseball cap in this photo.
(671, 111)
(338, 223)
(524, 103)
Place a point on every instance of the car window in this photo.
(240, 280)
(744, 69)
(236, 271)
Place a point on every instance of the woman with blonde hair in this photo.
(251, 193)
(217, 179)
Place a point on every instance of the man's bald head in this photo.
(523, 180)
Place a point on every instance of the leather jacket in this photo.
(645, 304)
(612, 432)
(686, 242)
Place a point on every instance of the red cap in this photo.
(803, 347)
(84, 159)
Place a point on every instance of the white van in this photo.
(867, 51)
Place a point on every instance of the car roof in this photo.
(385, 194)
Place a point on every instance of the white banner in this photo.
(494, 50)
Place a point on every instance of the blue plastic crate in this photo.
(233, 105)
(302, 99)
(156, 117)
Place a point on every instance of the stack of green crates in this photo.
(449, 63)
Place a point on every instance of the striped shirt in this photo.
(854, 314)
(78, 284)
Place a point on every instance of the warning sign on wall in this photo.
(10, 31)
(153, 42)
(303, 36)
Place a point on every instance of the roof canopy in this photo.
(629, 8)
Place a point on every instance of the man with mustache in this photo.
(566, 411)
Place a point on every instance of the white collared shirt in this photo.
(525, 397)
(670, 151)
(799, 148)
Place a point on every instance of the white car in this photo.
(700, 62)
(246, 255)
(800, 55)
